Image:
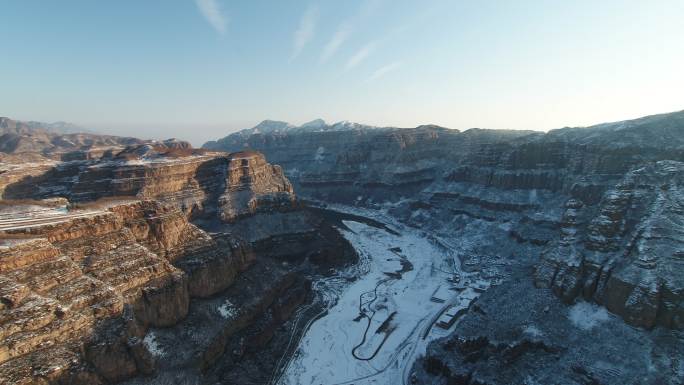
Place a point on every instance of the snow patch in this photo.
(152, 345)
(533, 331)
(586, 316)
(320, 154)
(227, 310)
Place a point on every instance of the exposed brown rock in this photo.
(86, 282)
(211, 185)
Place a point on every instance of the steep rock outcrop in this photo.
(539, 340)
(83, 280)
(97, 279)
(62, 280)
(573, 188)
(221, 186)
(629, 255)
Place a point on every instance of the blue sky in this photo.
(198, 69)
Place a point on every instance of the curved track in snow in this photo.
(398, 306)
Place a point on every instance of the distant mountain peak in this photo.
(268, 126)
(316, 123)
(59, 127)
(20, 126)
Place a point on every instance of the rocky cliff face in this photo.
(627, 252)
(225, 186)
(583, 214)
(98, 253)
(63, 280)
(363, 160)
(545, 187)
(156, 262)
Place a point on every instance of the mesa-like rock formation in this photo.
(96, 252)
(542, 185)
(206, 185)
(579, 214)
(153, 262)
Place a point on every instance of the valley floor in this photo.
(381, 326)
(380, 315)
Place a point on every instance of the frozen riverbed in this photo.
(378, 323)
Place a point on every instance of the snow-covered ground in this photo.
(21, 216)
(152, 345)
(586, 315)
(227, 310)
(380, 322)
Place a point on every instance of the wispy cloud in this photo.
(340, 36)
(211, 10)
(305, 31)
(346, 28)
(382, 71)
(367, 9)
(361, 55)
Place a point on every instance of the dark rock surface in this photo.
(504, 340)
(629, 252)
(591, 216)
(621, 178)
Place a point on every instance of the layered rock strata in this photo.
(63, 282)
(600, 197)
(215, 185)
(85, 276)
(627, 253)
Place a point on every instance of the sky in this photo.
(200, 69)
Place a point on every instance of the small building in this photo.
(442, 294)
(451, 315)
(454, 312)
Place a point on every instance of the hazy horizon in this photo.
(185, 131)
(201, 69)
